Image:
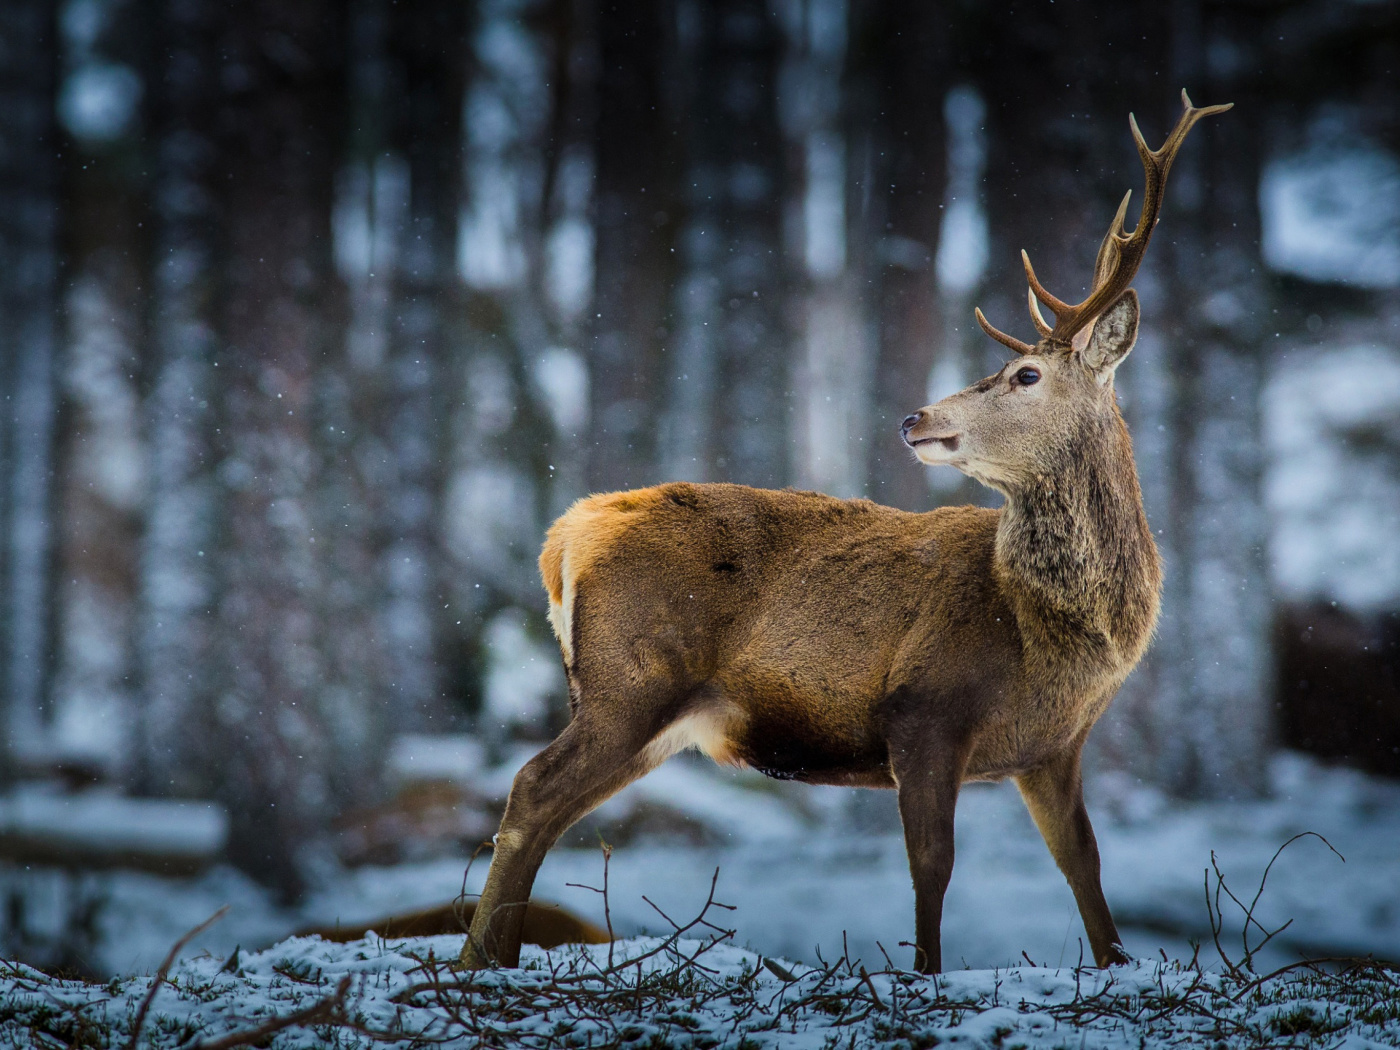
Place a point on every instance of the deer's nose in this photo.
(910, 422)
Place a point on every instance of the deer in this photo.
(837, 641)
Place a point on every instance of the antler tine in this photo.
(1037, 318)
(1005, 340)
(1121, 252)
(1055, 304)
(1107, 259)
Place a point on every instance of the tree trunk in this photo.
(1214, 702)
(281, 71)
(429, 50)
(502, 470)
(834, 363)
(29, 151)
(906, 65)
(177, 553)
(732, 365)
(101, 472)
(635, 214)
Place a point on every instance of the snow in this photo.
(962, 240)
(806, 878)
(696, 991)
(1332, 213)
(418, 757)
(99, 100)
(522, 672)
(561, 376)
(1330, 428)
(92, 823)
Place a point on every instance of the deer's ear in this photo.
(1114, 334)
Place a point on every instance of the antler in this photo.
(1121, 252)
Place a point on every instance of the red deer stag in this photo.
(841, 642)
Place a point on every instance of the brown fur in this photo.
(840, 642)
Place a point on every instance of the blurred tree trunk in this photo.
(634, 214)
(903, 68)
(29, 264)
(501, 470)
(1214, 673)
(177, 554)
(101, 469)
(280, 68)
(570, 265)
(834, 363)
(428, 44)
(730, 410)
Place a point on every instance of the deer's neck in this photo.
(1076, 555)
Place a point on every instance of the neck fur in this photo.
(1076, 553)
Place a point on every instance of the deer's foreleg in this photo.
(929, 773)
(595, 756)
(1054, 794)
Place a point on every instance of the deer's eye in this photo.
(1027, 376)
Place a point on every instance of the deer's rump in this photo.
(770, 628)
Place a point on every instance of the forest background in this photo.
(313, 315)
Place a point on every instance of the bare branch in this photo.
(164, 970)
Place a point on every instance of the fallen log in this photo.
(546, 925)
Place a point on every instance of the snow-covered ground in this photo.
(811, 878)
(686, 991)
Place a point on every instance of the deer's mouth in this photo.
(949, 442)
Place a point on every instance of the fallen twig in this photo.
(326, 1009)
(164, 970)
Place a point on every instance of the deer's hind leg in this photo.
(605, 747)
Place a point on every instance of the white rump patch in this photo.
(561, 613)
(707, 729)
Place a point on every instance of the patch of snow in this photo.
(569, 265)
(98, 102)
(691, 789)
(488, 508)
(962, 238)
(99, 822)
(561, 375)
(1331, 426)
(801, 887)
(489, 253)
(523, 673)
(1332, 211)
(416, 757)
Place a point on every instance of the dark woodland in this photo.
(314, 315)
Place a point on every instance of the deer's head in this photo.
(1019, 423)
